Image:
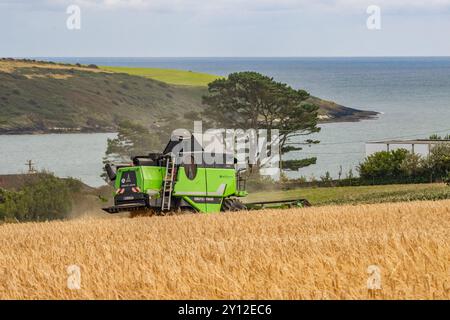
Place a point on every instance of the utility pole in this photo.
(30, 164)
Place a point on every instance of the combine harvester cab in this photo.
(179, 180)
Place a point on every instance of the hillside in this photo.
(314, 253)
(41, 97)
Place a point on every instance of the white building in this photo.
(420, 147)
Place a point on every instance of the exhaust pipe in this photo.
(111, 171)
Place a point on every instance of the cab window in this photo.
(190, 167)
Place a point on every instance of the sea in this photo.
(412, 95)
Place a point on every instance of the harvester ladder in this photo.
(168, 184)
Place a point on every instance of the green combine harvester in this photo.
(173, 181)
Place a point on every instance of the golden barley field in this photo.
(314, 253)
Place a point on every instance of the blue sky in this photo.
(201, 28)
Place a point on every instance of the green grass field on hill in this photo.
(358, 195)
(171, 76)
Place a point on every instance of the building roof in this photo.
(418, 141)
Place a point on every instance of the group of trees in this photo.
(438, 137)
(403, 165)
(43, 197)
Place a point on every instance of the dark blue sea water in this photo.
(413, 95)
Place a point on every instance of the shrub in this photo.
(412, 165)
(403, 166)
(45, 197)
(438, 163)
(383, 164)
(2, 203)
(435, 137)
(447, 179)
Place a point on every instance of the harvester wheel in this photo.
(233, 205)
